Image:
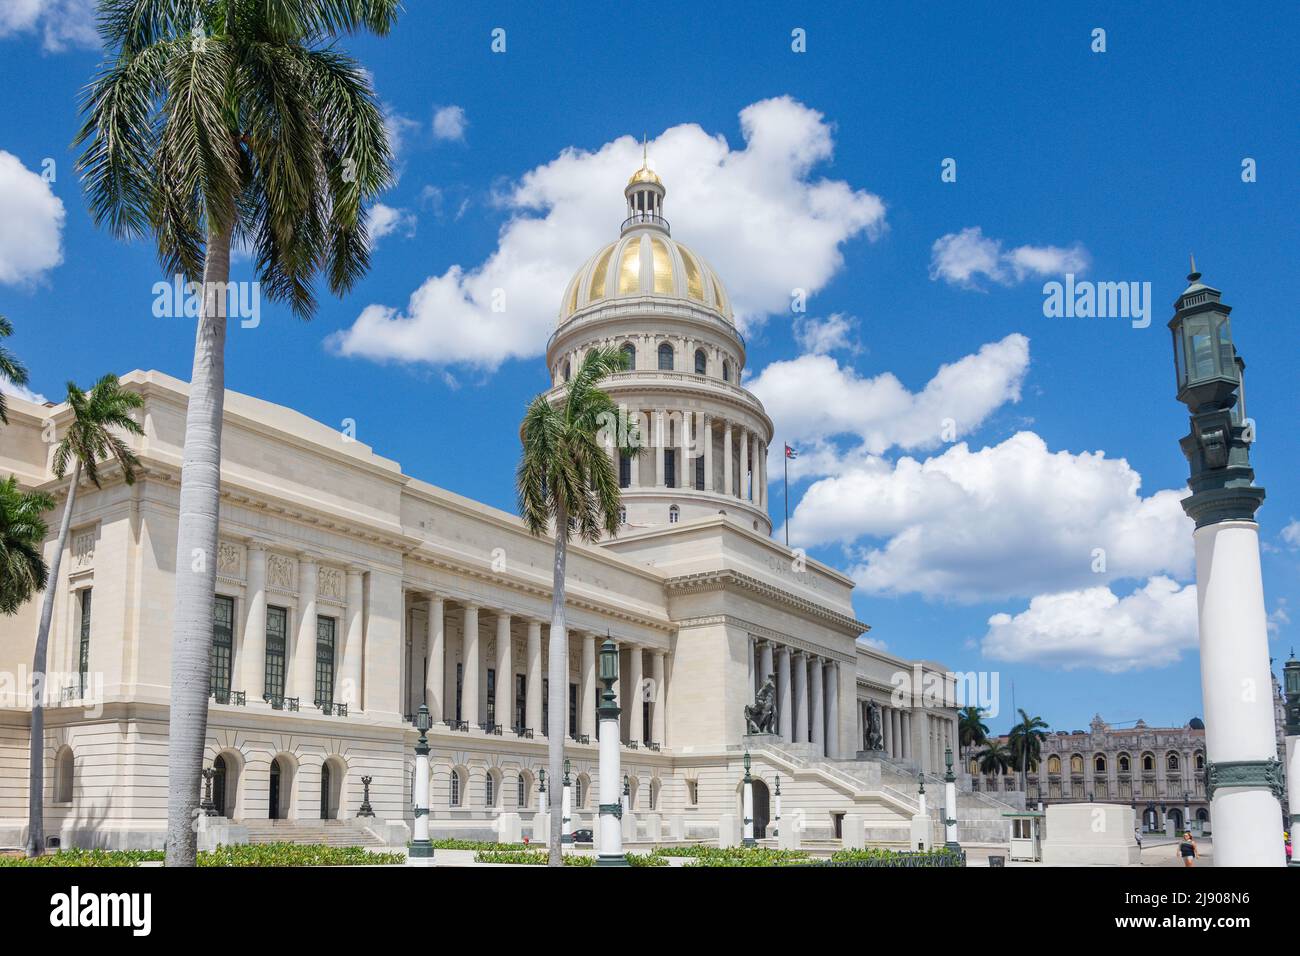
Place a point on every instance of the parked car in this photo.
(582, 836)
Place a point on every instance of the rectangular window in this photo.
(645, 721)
(699, 473)
(521, 700)
(624, 470)
(325, 627)
(491, 698)
(670, 467)
(277, 625)
(83, 652)
(223, 643)
(573, 709)
(693, 793)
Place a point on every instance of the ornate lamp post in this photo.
(366, 809)
(421, 847)
(627, 793)
(1243, 775)
(776, 831)
(747, 806)
(950, 805)
(921, 793)
(206, 805)
(610, 824)
(544, 804)
(1291, 683)
(566, 807)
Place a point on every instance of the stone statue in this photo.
(875, 732)
(760, 716)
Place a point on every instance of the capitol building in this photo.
(349, 593)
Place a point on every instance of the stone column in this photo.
(784, 713)
(659, 707)
(587, 688)
(896, 723)
(799, 665)
(905, 736)
(253, 662)
(762, 468)
(755, 481)
(303, 685)
(708, 452)
(435, 680)
(636, 712)
(766, 666)
(727, 484)
(469, 673)
(817, 681)
(832, 710)
(354, 641)
(744, 463)
(504, 671)
(659, 449)
(685, 473)
(533, 680)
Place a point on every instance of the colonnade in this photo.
(807, 694)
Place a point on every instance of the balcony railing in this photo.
(280, 702)
(654, 745)
(525, 732)
(333, 708)
(494, 729)
(237, 697)
(645, 219)
(631, 744)
(461, 725)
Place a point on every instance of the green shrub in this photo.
(876, 856)
(293, 854)
(75, 857)
(734, 856)
(451, 843)
(538, 858)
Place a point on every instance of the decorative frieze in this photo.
(230, 560)
(281, 572)
(331, 585)
(83, 549)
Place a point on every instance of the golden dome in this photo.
(644, 175)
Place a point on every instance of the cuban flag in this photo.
(791, 453)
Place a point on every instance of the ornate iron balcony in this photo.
(494, 729)
(645, 219)
(280, 702)
(461, 725)
(631, 744)
(332, 708)
(237, 697)
(654, 745)
(525, 732)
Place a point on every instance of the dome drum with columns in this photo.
(704, 436)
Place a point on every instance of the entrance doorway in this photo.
(274, 797)
(761, 812)
(325, 791)
(219, 786)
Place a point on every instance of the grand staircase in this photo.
(327, 832)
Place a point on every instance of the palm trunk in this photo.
(196, 558)
(557, 668)
(36, 761)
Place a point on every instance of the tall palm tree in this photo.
(90, 439)
(1026, 742)
(214, 121)
(22, 536)
(566, 481)
(995, 758)
(11, 369)
(971, 729)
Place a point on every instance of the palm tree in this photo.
(971, 729)
(1026, 742)
(22, 535)
(89, 440)
(567, 481)
(10, 368)
(215, 121)
(995, 758)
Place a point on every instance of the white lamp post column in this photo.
(1243, 774)
(776, 831)
(747, 805)
(421, 846)
(950, 804)
(566, 807)
(610, 825)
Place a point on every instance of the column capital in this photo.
(357, 569)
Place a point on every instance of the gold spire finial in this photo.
(645, 159)
(1193, 275)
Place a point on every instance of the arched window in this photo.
(454, 797)
(629, 353)
(579, 791)
(1099, 764)
(665, 357)
(726, 370)
(1148, 762)
(1124, 763)
(673, 514)
(1200, 760)
(1076, 764)
(701, 362)
(1171, 761)
(490, 790)
(654, 793)
(63, 770)
(521, 791)
(1053, 764)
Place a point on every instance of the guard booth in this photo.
(1026, 828)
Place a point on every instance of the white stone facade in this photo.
(355, 592)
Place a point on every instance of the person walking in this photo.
(1187, 849)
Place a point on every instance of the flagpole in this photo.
(785, 488)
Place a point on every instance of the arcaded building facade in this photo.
(349, 593)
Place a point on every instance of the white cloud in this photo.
(61, 23)
(1093, 628)
(1010, 520)
(757, 214)
(961, 258)
(31, 224)
(813, 398)
(1291, 534)
(831, 334)
(386, 220)
(21, 391)
(449, 123)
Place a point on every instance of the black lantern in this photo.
(1205, 362)
(1291, 683)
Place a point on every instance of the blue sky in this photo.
(1114, 164)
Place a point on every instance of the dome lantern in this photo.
(645, 197)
